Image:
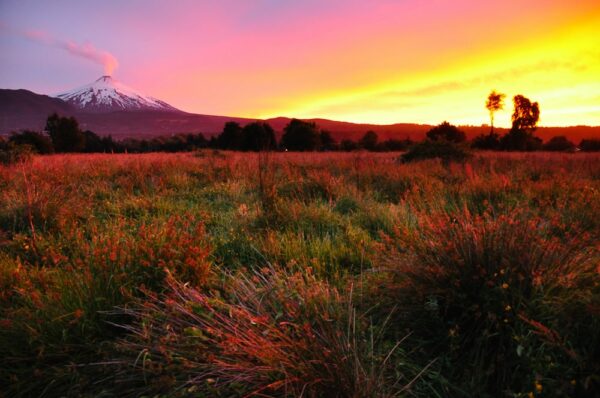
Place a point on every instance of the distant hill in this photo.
(140, 124)
(347, 130)
(22, 109)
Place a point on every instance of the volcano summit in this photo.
(108, 95)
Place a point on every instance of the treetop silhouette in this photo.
(494, 103)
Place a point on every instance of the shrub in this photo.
(590, 145)
(369, 141)
(327, 142)
(520, 140)
(258, 136)
(38, 142)
(299, 135)
(348, 145)
(231, 137)
(489, 141)
(394, 145)
(446, 132)
(505, 304)
(559, 143)
(65, 133)
(446, 151)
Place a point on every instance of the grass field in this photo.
(222, 274)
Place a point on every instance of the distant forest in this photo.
(64, 135)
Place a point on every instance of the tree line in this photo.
(520, 137)
(64, 135)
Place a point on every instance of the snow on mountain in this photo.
(106, 95)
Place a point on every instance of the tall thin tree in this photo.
(494, 103)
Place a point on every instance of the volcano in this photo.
(109, 95)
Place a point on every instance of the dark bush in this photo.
(446, 132)
(299, 135)
(65, 133)
(520, 140)
(444, 150)
(327, 141)
(394, 145)
(560, 143)
(38, 142)
(590, 145)
(369, 140)
(348, 145)
(231, 137)
(489, 141)
(258, 136)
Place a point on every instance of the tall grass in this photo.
(145, 275)
(55, 295)
(268, 332)
(501, 296)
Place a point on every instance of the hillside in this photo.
(23, 109)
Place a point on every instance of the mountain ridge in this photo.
(23, 109)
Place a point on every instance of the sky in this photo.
(375, 61)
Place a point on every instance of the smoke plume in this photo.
(84, 50)
(88, 51)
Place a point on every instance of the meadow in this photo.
(226, 274)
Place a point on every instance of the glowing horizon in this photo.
(368, 62)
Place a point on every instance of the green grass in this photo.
(348, 275)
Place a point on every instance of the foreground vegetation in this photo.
(223, 274)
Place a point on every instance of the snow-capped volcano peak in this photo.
(107, 94)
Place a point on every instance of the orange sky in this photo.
(553, 59)
(382, 61)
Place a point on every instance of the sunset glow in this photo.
(378, 62)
